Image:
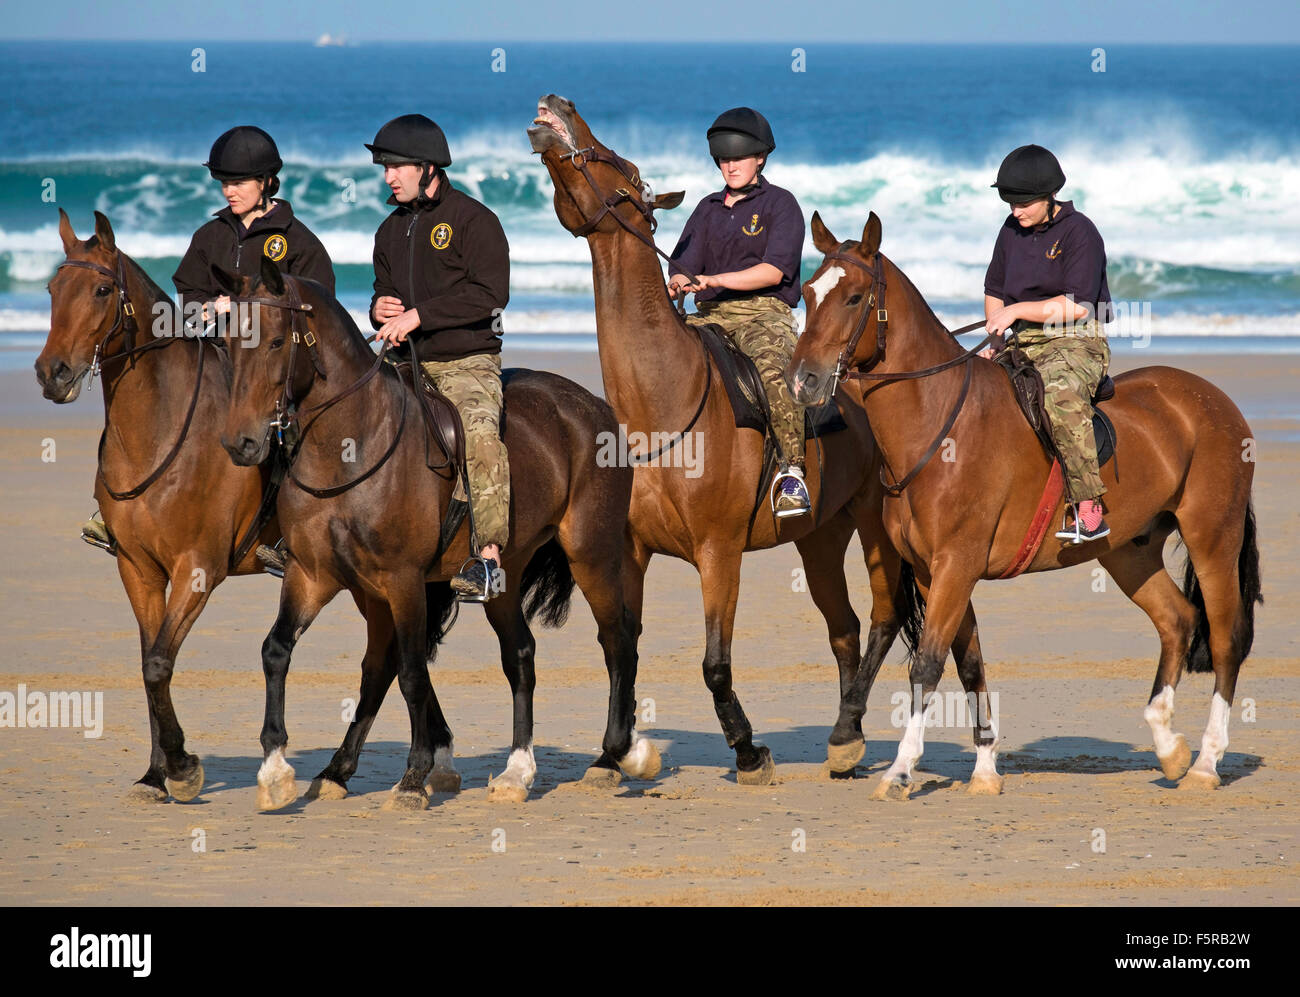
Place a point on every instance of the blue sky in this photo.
(784, 21)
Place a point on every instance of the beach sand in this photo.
(1086, 817)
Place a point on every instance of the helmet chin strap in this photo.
(427, 172)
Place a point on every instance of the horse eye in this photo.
(853, 300)
(275, 344)
(102, 291)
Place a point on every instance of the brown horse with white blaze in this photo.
(962, 520)
(656, 375)
(167, 490)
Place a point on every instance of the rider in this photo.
(442, 278)
(253, 224)
(1047, 280)
(747, 263)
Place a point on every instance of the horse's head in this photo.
(568, 148)
(840, 304)
(88, 308)
(272, 354)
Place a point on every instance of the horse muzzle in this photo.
(59, 383)
(809, 385)
(247, 451)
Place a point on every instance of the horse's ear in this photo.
(667, 202)
(104, 231)
(228, 282)
(272, 277)
(69, 237)
(871, 236)
(822, 238)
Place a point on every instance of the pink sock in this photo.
(1090, 514)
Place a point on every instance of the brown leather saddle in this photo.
(1027, 383)
(746, 392)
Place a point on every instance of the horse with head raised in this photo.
(364, 511)
(182, 516)
(657, 376)
(964, 518)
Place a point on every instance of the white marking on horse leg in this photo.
(522, 766)
(1159, 715)
(445, 757)
(822, 285)
(1215, 741)
(642, 759)
(909, 749)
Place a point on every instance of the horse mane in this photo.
(352, 335)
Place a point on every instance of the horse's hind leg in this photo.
(1214, 550)
(822, 553)
(301, 598)
(597, 573)
(1140, 573)
(518, 648)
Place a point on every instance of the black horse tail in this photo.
(909, 604)
(547, 585)
(1243, 632)
(441, 609)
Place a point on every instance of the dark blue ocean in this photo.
(1187, 158)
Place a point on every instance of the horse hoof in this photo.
(443, 780)
(406, 801)
(760, 776)
(186, 788)
(326, 789)
(1198, 780)
(843, 757)
(893, 789)
(601, 778)
(1177, 762)
(275, 786)
(642, 762)
(143, 792)
(985, 785)
(503, 790)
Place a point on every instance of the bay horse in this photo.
(182, 516)
(363, 511)
(963, 519)
(656, 374)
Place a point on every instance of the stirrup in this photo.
(272, 558)
(95, 533)
(466, 584)
(776, 493)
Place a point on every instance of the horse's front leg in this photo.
(301, 598)
(948, 600)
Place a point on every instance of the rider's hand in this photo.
(388, 307)
(395, 330)
(1001, 320)
(679, 285)
(223, 305)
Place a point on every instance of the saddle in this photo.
(746, 392)
(1027, 383)
(441, 420)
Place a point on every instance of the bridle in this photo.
(125, 320)
(287, 411)
(846, 368)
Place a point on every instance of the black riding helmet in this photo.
(243, 153)
(412, 138)
(1027, 174)
(738, 133)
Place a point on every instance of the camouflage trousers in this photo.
(1072, 364)
(763, 328)
(473, 385)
